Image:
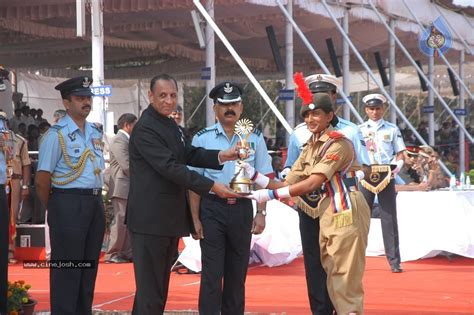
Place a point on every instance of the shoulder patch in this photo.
(56, 127)
(97, 127)
(257, 131)
(203, 131)
(335, 135)
(332, 156)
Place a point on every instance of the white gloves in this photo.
(256, 177)
(284, 172)
(360, 175)
(249, 169)
(263, 195)
(398, 168)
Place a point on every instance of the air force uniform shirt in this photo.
(350, 130)
(384, 138)
(215, 138)
(52, 160)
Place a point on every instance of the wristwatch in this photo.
(24, 187)
(262, 212)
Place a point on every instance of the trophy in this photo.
(241, 183)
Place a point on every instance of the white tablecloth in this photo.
(280, 242)
(428, 223)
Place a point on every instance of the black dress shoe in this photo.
(397, 269)
(117, 260)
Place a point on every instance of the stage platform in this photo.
(437, 286)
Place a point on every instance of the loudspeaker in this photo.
(333, 55)
(424, 88)
(454, 85)
(275, 49)
(380, 66)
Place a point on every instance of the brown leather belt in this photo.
(16, 176)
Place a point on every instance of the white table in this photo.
(429, 223)
(279, 244)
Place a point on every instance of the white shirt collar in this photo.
(377, 123)
(125, 133)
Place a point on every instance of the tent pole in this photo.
(462, 147)
(464, 86)
(210, 63)
(316, 56)
(289, 104)
(139, 91)
(346, 82)
(243, 66)
(97, 26)
(431, 120)
(420, 71)
(391, 62)
(382, 89)
(265, 114)
(466, 19)
(195, 110)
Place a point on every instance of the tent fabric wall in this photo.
(38, 91)
(424, 9)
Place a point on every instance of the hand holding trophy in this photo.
(241, 182)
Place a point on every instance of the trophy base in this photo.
(243, 188)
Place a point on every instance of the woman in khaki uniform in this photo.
(325, 170)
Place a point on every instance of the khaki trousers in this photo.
(15, 205)
(343, 255)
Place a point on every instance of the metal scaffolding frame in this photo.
(422, 27)
(454, 31)
(420, 71)
(318, 59)
(382, 89)
(242, 65)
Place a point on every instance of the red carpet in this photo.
(430, 286)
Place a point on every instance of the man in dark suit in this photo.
(119, 249)
(158, 213)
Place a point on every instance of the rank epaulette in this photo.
(97, 127)
(390, 124)
(258, 132)
(203, 131)
(56, 128)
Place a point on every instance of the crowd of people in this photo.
(29, 124)
(165, 183)
(446, 139)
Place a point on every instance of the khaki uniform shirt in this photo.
(21, 157)
(329, 154)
